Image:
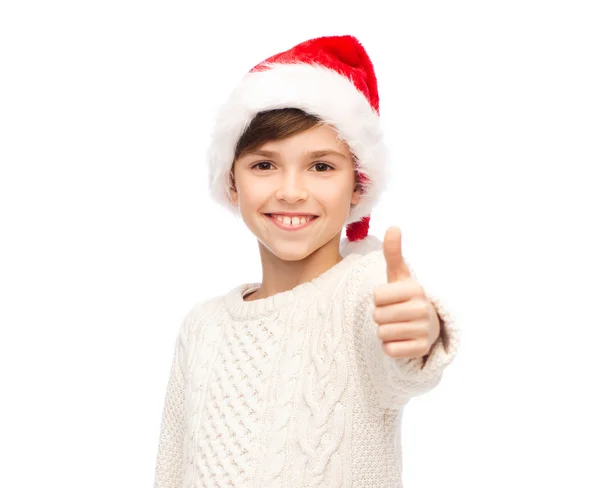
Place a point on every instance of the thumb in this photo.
(397, 269)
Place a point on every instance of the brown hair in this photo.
(273, 125)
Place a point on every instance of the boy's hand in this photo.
(408, 323)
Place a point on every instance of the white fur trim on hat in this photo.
(317, 90)
(363, 246)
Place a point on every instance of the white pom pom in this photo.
(362, 246)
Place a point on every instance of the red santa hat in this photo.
(329, 77)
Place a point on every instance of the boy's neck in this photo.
(280, 275)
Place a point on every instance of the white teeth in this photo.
(293, 221)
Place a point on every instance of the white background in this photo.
(108, 238)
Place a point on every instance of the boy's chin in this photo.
(288, 251)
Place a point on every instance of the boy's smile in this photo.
(288, 221)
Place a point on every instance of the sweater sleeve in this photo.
(169, 459)
(396, 380)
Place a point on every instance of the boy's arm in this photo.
(169, 458)
(398, 379)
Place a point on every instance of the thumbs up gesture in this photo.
(408, 323)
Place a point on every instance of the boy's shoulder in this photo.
(204, 307)
(201, 312)
(368, 269)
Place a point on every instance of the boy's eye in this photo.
(322, 167)
(261, 165)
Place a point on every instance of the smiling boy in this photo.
(301, 380)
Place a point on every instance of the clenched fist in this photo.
(408, 323)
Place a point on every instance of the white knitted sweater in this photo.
(293, 390)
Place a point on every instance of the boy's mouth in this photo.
(291, 222)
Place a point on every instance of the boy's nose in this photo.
(292, 189)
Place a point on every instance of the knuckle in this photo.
(426, 333)
(378, 292)
(423, 348)
(377, 315)
(418, 290)
(389, 349)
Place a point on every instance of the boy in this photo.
(301, 380)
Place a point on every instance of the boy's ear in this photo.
(233, 195)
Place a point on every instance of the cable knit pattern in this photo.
(293, 390)
(277, 427)
(169, 462)
(322, 417)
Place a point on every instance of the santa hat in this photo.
(333, 79)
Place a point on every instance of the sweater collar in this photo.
(239, 309)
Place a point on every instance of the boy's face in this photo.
(310, 173)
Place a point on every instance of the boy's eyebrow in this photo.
(261, 152)
(311, 155)
(326, 152)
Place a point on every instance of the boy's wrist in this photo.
(440, 328)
